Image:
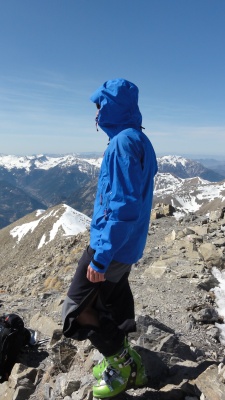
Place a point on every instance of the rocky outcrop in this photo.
(162, 210)
(178, 322)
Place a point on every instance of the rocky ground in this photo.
(177, 321)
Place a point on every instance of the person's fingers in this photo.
(101, 277)
(89, 274)
(94, 276)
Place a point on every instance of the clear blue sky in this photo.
(55, 53)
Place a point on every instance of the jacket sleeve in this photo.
(125, 200)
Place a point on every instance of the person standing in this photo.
(99, 304)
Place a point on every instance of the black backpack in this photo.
(13, 336)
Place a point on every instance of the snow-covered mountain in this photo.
(32, 182)
(177, 165)
(48, 223)
(45, 162)
(39, 233)
(186, 168)
(42, 181)
(189, 195)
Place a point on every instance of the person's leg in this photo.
(115, 310)
(122, 304)
(94, 311)
(122, 366)
(89, 316)
(78, 302)
(86, 313)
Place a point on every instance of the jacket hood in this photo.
(118, 100)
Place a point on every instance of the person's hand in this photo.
(94, 276)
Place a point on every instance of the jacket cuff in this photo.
(97, 266)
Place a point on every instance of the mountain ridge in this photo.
(187, 168)
(52, 180)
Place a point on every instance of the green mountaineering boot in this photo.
(99, 368)
(118, 373)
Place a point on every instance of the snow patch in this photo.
(71, 222)
(22, 230)
(94, 161)
(173, 160)
(220, 300)
(42, 241)
(178, 215)
(188, 204)
(39, 212)
(211, 192)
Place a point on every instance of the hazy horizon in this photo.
(217, 157)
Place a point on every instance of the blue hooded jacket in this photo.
(123, 201)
